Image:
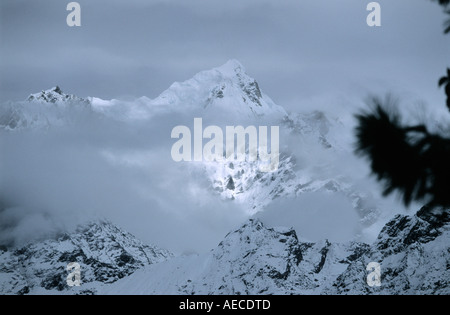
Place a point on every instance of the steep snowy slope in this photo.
(414, 253)
(105, 253)
(311, 146)
(227, 94)
(251, 260)
(226, 89)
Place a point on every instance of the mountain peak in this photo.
(57, 90)
(55, 95)
(231, 68)
(105, 251)
(226, 90)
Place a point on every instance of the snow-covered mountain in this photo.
(226, 95)
(315, 133)
(105, 252)
(56, 96)
(228, 89)
(413, 251)
(49, 108)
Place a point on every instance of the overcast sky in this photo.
(298, 50)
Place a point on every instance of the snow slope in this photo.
(226, 91)
(413, 251)
(253, 259)
(105, 252)
(414, 254)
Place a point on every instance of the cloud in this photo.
(315, 217)
(97, 167)
(55, 179)
(297, 50)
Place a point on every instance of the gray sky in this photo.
(297, 49)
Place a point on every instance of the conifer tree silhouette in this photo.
(406, 159)
(446, 81)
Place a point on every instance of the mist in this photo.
(52, 180)
(95, 167)
(315, 217)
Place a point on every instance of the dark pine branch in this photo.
(408, 160)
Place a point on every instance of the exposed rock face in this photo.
(105, 252)
(414, 254)
(56, 96)
(413, 251)
(50, 108)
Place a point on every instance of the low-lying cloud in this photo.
(55, 179)
(95, 167)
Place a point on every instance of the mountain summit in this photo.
(105, 252)
(43, 110)
(227, 89)
(413, 252)
(223, 92)
(56, 96)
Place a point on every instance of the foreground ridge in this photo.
(105, 252)
(413, 252)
